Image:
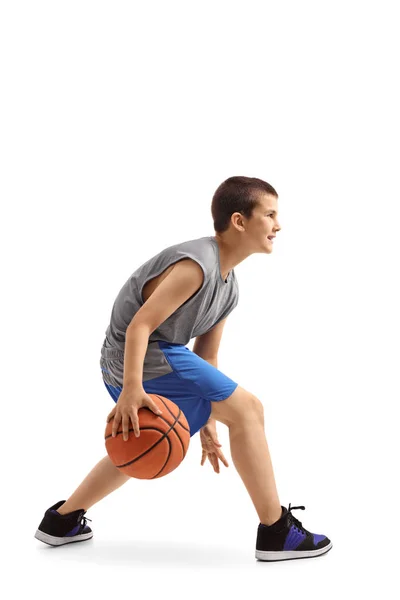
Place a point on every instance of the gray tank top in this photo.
(210, 304)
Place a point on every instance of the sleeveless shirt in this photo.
(212, 303)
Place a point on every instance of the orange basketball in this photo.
(161, 446)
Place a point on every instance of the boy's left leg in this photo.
(280, 535)
(244, 416)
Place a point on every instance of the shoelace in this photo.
(295, 521)
(84, 522)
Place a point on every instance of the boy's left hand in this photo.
(211, 446)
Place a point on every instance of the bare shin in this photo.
(103, 479)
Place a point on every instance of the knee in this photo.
(256, 409)
(240, 406)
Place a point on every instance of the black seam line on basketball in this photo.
(141, 429)
(176, 422)
(165, 421)
(164, 436)
(164, 465)
(168, 409)
(179, 423)
(183, 447)
(146, 451)
(149, 410)
(144, 428)
(175, 432)
(172, 414)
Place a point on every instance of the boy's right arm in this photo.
(185, 279)
(136, 341)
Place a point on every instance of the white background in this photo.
(118, 122)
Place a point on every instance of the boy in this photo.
(187, 291)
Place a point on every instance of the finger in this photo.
(110, 415)
(213, 438)
(214, 462)
(153, 406)
(210, 458)
(215, 442)
(125, 427)
(203, 457)
(210, 444)
(116, 422)
(222, 458)
(135, 423)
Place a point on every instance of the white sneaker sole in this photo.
(59, 541)
(290, 554)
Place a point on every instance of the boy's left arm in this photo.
(212, 422)
(206, 347)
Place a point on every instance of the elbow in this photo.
(136, 325)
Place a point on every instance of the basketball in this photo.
(161, 446)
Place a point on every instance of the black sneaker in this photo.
(56, 529)
(287, 539)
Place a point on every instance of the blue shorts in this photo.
(173, 371)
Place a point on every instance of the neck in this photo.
(231, 253)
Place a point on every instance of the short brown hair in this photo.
(237, 194)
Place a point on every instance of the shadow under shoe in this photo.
(56, 529)
(287, 539)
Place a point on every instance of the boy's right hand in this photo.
(126, 409)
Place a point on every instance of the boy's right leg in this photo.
(103, 479)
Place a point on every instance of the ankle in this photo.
(61, 509)
(271, 517)
(64, 509)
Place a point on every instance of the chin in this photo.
(268, 247)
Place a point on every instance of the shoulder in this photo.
(201, 245)
(201, 250)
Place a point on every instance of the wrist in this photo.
(211, 422)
